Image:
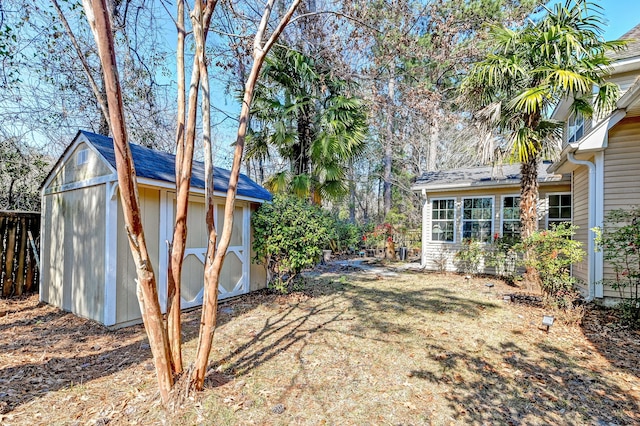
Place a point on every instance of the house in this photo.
(87, 267)
(602, 154)
(598, 171)
(480, 203)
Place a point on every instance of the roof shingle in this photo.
(160, 166)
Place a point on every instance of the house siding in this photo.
(435, 252)
(580, 196)
(621, 176)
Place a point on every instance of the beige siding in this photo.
(72, 172)
(73, 251)
(436, 251)
(258, 272)
(127, 308)
(624, 80)
(581, 219)
(621, 175)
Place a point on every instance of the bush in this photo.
(553, 252)
(348, 237)
(620, 242)
(469, 256)
(503, 256)
(289, 236)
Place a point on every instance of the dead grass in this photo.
(356, 348)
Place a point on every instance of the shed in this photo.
(87, 267)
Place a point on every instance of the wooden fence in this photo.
(19, 248)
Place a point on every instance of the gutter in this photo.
(591, 220)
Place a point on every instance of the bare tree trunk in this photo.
(432, 156)
(98, 17)
(209, 307)
(352, 193)
(388, 146)
(175, 265)
(185, 138)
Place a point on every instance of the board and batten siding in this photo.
(435, 252)
(621, 176)
(73, 261)
(89, 167)
(127, 306)
(580, 198)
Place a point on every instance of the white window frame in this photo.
(493, 216)
(82, 157)
(547, 196)
(502, 211)
(455, 217)
(575, 122)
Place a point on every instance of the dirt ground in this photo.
(357, 347)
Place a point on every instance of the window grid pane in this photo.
(511, 217)
(442, 220)
(477, 219)
(559, 209)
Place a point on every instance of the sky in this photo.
(622, 15)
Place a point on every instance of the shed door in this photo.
(234, 276)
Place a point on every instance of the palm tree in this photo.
(306, 113)
(527, 71)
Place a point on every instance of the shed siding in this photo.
(581, 220)
(437, 252)
(73, 261)
(258, 272)
(621, 176)
(127, 307)
(71, 172)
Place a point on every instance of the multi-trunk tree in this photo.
(163, 343)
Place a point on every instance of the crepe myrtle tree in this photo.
(97, 14)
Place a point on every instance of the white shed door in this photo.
(234, 276)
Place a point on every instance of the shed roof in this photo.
(160, 166)
(484, 176)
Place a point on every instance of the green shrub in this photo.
(620, 242)
(469, 256)
(348, 237)
(289, 236)
(502, 255)
(553, 252)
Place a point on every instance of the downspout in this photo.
(423, 254)
(591, 220)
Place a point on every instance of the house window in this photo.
(477, 214)
(511, 217)
(559, 209)
(575, 127)
(442, 220)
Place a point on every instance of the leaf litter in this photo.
(356, 347)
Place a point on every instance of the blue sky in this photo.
(622, 15)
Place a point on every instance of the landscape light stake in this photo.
(547, 321)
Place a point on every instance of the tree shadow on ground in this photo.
(508, 387)
(54, 349)
(374, 308)
(618, 344)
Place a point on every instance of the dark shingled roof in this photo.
(160, 166)
(507, 174)
(633, 47)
